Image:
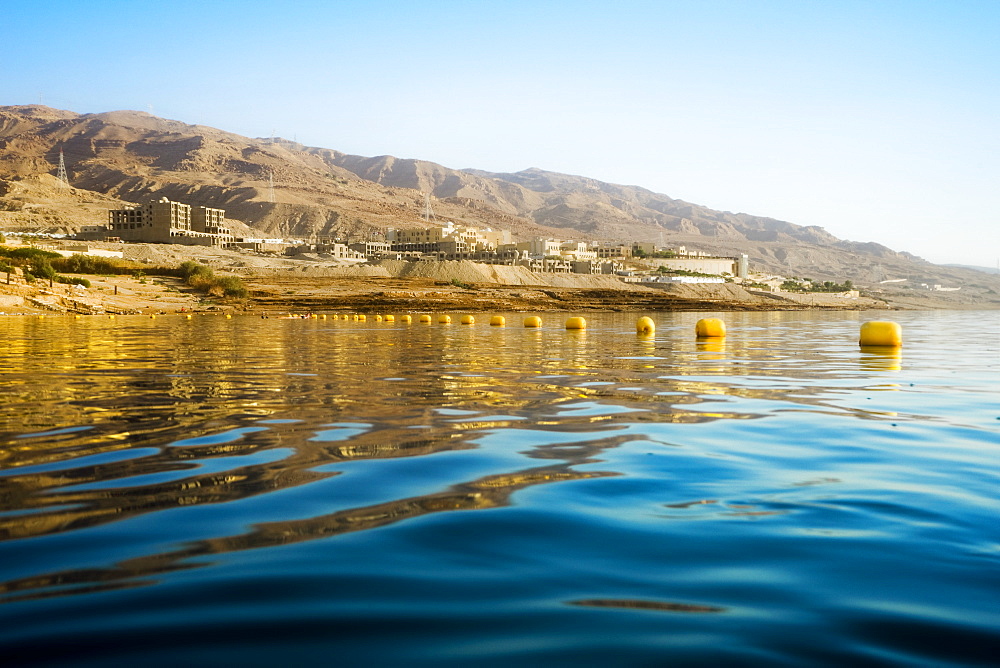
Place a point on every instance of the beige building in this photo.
(449, 238)
(717, 266)
(164, 221)
(576, 251)
(612, 250)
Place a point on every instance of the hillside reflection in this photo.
(106, 421)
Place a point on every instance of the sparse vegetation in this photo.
(201, 277)
(106, 266)
(25, 255)
(39, 264)
(461, 284)
(73, 280)
(42, 268)
(684, 272)
(36, 264)
(807, 285)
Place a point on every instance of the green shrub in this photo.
(203, 279)
(109, 266)
(684, 272)
(232, 286)
(90, 264)
(792, 285)
(27, 254)
(73, 280)
(41, 268)
(31, 253)
(191, 269)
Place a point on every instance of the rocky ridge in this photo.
(128, 156)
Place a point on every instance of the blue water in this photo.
(320, 492)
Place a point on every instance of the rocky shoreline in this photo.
(314, 294)
(278, 284)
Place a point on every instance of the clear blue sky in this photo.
(878, 120)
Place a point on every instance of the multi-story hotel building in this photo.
(164, 221)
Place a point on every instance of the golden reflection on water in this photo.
(106, 420)
(881, 358)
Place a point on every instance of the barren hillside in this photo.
(281, 188)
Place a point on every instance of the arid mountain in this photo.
(281, 188)
(278, 187)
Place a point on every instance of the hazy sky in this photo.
(877, 120)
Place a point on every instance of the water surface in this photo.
(365, 493)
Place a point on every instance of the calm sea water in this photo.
(299, 492)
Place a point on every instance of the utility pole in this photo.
(62, 169)
(428, 212)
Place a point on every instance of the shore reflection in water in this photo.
(323, 470)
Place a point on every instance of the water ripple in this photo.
(283, 491)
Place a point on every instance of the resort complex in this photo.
(166, 221)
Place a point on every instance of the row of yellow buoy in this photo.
(445, 319)
(873, 333)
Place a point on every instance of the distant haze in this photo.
(876, 121)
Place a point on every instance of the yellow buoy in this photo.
(576, 322)
(378, 318)
(444, 319)
(76, 317)
(152, 316)
(532, 321)
(645, 325)
(228, 316)
(406, 318)
(498, 321)
(876, 333)
(323, 317)
(362, 317)
(468, 320)
(390, 318)
(710, 328)
(425, 318)
(188, 316)
(110, 317)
